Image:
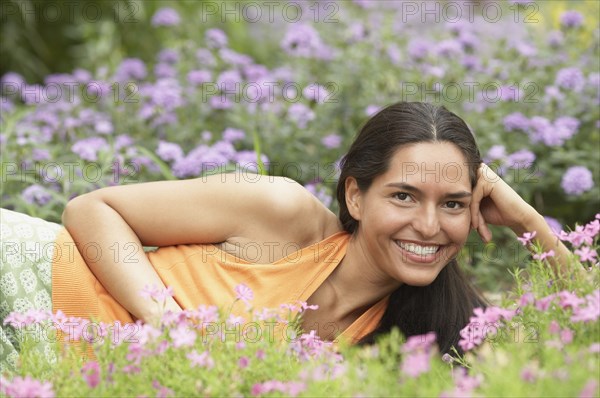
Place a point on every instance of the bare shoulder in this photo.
(288, 213)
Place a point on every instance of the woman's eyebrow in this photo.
(410, 188)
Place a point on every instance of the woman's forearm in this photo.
(121, 264)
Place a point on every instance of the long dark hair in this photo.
(445, 305)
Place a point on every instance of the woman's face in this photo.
(414, 218)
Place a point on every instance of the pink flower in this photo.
(422, 342)
(580, 236)
(566, 336)
(243, 362)
(25, 387)
(416, 363)
(568, 299)
(527, 237)
(465, 384)
(529, 375)
(156, 293)
(91, 373)
(163, 392)
(590, 390)
(203, 360)
(554, 327)
(544, 303)
(526, 299)
(589, 312)
(543, 256)
(586, 254)
(244, 293)
(260, 354)
(182, 336)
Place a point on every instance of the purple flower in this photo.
(590, 390)
(372, 110)
(164, 71)
(553, 92)
(182, 336)
(220, 102)
(91, 373)
(243, 362)
(166, 16)
(570, 79)
(315, 92)
(553, 224)
(556, 38)
(516, 121)
(331, 141)
(168, 56)
(197, 77)
(300, 114)
(243, 293)
(13, 79)
(567, 126)
(202, 360)
(169, 151)
(521, 159)
(156, 293)
(590, 311)
(255, 72)
(449, 48)
(36, 194)
(418, 48)
(234, 58)
(88, 148)
(527, 237)
(571, 19)
(577, 180)
(232, 135)
(248, 160)
(25, 387)
(103, 127)
(543, 256)
(586, 254)
(38, 154)
(131, 68)
(416, 363)
(216, 38)
(302, 40)
(229, 80)
(496, 152)
(205, 57)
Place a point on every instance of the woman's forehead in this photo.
(437, 162)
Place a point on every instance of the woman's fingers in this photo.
(476, 198)
(483, 230)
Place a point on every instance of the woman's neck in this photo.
(357, 283)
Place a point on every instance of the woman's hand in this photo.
(495, 202)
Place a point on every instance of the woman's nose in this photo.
(426, 222)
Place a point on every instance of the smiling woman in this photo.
(411, 188)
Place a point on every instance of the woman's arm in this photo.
(495, 202)
(120, 220)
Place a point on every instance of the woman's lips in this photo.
(418, 253)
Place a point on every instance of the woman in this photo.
(411, 188)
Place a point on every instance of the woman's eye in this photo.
(403, 197)
(454, 205)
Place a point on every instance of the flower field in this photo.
(175, 90)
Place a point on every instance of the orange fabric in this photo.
(204, 274)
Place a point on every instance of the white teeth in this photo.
(418, 249)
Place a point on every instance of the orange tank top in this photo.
(204, 274)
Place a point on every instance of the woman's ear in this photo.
(353, 197)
